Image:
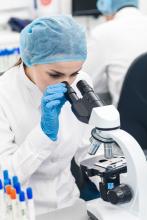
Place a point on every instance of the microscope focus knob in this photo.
(120, 194)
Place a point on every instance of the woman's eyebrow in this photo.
(59, 73)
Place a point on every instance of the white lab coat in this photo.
(27, 152)
(112, 46)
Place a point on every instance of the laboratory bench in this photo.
(77, 211)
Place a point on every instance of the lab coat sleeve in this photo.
(82, 154)
(84, 144)
(25, 159)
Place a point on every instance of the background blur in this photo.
(15, 14)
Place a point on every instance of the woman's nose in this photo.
(68, 80)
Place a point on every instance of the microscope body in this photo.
(123, 177)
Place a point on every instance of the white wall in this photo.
(14, 8)
(143, 6)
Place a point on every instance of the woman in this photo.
(39, 134)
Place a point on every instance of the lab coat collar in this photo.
(33, 90)
(128, 11)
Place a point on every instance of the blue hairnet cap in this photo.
(110, 7)
(51, 40)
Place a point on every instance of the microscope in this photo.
(123, 177)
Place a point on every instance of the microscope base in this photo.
(105, 211)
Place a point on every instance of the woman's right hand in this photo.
(51, 104)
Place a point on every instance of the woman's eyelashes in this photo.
(74, 74)
(55, 76)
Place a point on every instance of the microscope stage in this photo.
(104, 167)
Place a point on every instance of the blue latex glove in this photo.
(51, 104)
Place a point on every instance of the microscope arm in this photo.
(136, 171)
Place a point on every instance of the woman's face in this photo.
(47, 74)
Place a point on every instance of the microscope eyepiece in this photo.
(70, 95)
(88, 92)
(82, 107)
(83, 87)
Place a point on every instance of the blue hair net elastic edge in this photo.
(51, 61)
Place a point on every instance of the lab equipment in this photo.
(17, 24)
(13, 202)
(8, 201)
(23, 208)
(31, 209)
(14, 180)
(2, 202)
(17, 187)
(5, 174)
(52, 39)
(51, 104)
(123, 178)
(9, 50)
(82, 8)
(110, 7)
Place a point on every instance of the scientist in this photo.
(39, 134)
(114, 44)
